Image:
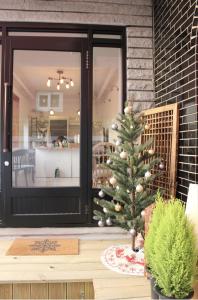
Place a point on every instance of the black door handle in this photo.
(5, 118)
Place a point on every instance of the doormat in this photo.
(45, 246)
(122, 259)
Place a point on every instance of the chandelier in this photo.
(61, 79)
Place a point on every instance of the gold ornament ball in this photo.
(123, 155)
(147, 127)
(151, 151)
(118, 207)
(113, 180)
(128, 110)
(139, 188)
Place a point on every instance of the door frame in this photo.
(90, 30)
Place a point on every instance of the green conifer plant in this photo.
(175, 255)
(150, 239)
(134, 167)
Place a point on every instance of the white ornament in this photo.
(132, 231)
(118, 142)
(147, 174)
(139, 188)
(109, 222)
(118, 207)
(147, 127)
(128, 191)
(117, 187)
(143, 213)
(151, 151)
(114, 126)
(105, 210)
(123, 155)
(113, 180)
(101, 223)
(101, 194)
(131, 126)
(109, 161)
(161, 166)
(128, 110)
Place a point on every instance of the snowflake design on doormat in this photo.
(45, 245)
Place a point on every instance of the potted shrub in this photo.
(173, 262)
(150, 239)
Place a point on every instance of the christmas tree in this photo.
(134, 167)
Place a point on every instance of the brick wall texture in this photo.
(176, 79)
(136, 15)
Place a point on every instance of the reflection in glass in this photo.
(106, 105)
(46, 126)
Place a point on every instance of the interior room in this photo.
(46, 113)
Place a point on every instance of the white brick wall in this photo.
(136, 15)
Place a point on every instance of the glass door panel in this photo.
(46, 119)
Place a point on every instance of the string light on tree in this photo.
(105, 210)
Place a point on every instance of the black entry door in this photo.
(45, 131)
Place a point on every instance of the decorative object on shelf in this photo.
(51, 112)
(61, 79)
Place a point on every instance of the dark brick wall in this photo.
(176, 70)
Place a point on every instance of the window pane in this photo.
(46, 124)
(107, 100)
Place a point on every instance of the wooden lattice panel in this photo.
(163, 129)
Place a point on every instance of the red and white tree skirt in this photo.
(122, 259)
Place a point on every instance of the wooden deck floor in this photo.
(81, 268)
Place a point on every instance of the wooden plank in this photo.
(21, 291)
(75, 290)
(119, 293)
(5, 291)
(57, 290)
(89, 290)
(39, 291)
